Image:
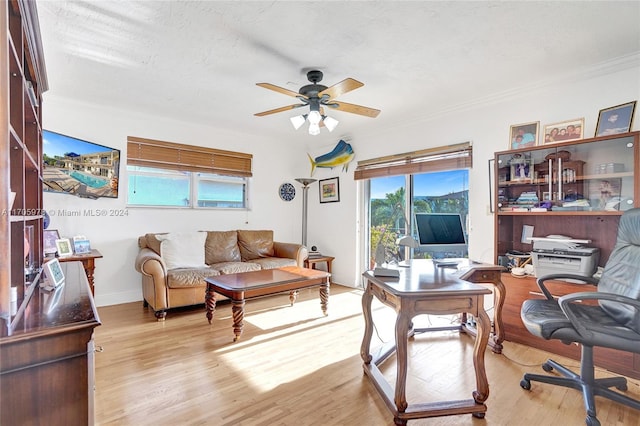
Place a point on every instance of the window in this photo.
(168, 174)
(429, 181)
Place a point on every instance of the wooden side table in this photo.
(312, 261)
(88, 262)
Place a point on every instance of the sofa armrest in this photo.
(154, 278)
(291, 251)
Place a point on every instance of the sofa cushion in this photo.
(189, 277)
(235, 267)
(255, 244)
(274, 262)
(182, 249)
(221, 246)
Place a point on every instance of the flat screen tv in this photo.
(78, 167)
(441, 233)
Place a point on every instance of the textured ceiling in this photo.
(199, 60)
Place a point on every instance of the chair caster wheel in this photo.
(478, 415)
(592, 421)
(546, 367)
(525, 384)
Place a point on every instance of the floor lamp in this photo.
(305, 187)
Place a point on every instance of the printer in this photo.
(557, 254)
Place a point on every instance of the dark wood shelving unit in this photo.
(46, 338)
(596, 222)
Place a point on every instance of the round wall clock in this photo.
(287, 192)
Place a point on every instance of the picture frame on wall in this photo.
(329, 190)
(569, 130)
(523, 135)
(616, 119)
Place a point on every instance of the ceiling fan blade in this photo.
(279, 89)
(354, 109)
(281, 109)
(346, 85)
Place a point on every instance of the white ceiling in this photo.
(199, 60)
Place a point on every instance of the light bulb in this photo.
(314, 118)
(297, 121)
(314, 129)
(330, 123)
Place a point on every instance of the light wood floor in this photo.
(293, 366)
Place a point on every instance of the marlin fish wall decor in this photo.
(341, 155)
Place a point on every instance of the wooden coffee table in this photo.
(246, 285)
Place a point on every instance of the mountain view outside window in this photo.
(438, 192)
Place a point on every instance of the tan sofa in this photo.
(175, 265)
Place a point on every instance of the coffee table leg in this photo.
(324, 297)
(210, 302)
(293, 295)
(237, 309)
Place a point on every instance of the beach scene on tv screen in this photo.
(77, 167)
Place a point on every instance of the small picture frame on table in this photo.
(523, 135)
(522, 170)
(64, 247)
(616, 119)
(49, 241)
(54, 277)
(81, 245)
(329, 190)
(563, 131)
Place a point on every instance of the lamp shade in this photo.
(330, 123)
(297, 121)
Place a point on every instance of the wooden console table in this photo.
(88, 262)
(424, 289)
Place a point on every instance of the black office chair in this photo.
(613, 323)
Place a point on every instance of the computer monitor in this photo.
(441, 234)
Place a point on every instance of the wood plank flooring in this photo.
(294, 366)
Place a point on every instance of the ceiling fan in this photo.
(318, 96)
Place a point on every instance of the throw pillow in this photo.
(255, 244)
(183, 249)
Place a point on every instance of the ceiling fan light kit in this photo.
(317, 96)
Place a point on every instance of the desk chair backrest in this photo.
(621, 274)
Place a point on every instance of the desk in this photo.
(88, 262)
(425, 289)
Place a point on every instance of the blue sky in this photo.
(433, 184)
(57, 144)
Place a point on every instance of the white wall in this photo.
(116, 280)
(333, 227)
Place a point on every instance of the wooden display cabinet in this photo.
(46, 338)
(578, 189)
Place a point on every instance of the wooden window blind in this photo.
(174, 156)
(449, 157)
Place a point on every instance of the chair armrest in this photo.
(566, 301)
(298, 252)
(540, 281)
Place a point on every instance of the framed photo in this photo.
(64, 247)
(523, 135)
(53, 273)
(329, 190)
(49, 239)
(522, 170)
(563, 131)
(614, 120)
(81, 245)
